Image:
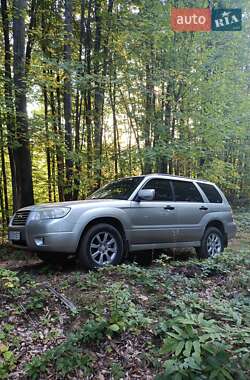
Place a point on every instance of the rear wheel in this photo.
(101, 245)
(212, 243)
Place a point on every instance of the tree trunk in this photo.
(78, 107)
(149, 108)
(5, 211)
(67, 100)
(54, 177)
(97, 96)
(31, 39)
(100, 83)
(2, 222)
(48, 154)
(112, 96)
(60, 135)
(45, 96)
(58, 142)
(5, 188)
(77, 174)
(87, 96)
(8, 94)
(22, 151)
(135, 127)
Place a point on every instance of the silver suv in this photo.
(140, 213)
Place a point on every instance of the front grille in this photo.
(20, 218)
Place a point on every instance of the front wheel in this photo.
(101, 245)
(212, 243)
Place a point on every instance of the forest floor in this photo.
(180, 318)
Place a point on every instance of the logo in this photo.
(226, 20)
(191, 19)
(205, 20)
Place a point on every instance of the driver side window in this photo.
(162, 187)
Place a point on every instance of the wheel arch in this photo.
(218, 224)
(113, 221)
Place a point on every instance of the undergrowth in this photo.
(191, 317)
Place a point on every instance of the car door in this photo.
(190, 209)
(154, 221)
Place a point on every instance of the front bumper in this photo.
(45, 236)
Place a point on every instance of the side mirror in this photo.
(146, 195)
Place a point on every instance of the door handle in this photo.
(168, 207)
(203, 208)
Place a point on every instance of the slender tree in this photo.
(5, 210)
(8, 93)
(78, 108)
(87, 95)
(67, 99)
(22, 150)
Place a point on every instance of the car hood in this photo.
(88, 203)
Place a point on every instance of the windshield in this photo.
(121, 189)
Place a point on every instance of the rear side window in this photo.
(186, 192)
(162, 187)
(211, 192)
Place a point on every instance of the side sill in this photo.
(142, 247)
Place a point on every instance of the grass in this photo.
(180, 318)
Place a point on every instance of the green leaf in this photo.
(191, 363)
(114, 327)
(177, 337)
(177, 376)
(179, 348)
(213, 374)
(197, 347)
(8, 355)
(3, 348)
(188, 348)
(177, 329)
(200, 317)
(170, 366)
(169, 345)
(226, 374)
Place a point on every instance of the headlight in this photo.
(50, 213)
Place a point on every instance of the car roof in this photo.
(170, 176)
(176, 177)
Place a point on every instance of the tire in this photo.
(212, 243)
(101, 245)
(54, 257)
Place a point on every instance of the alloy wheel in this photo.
(214, 245)
(103, 248)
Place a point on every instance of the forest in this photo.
(95, 90)
(92, 91)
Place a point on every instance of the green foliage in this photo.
(9, 282)
(197, 348)
(181, 318)
(177, 102)
(37, 299)
(117, 371)
(7, 361)
(69, 355)
(243, 220)
(121, 314)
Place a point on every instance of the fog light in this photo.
(39, 241)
